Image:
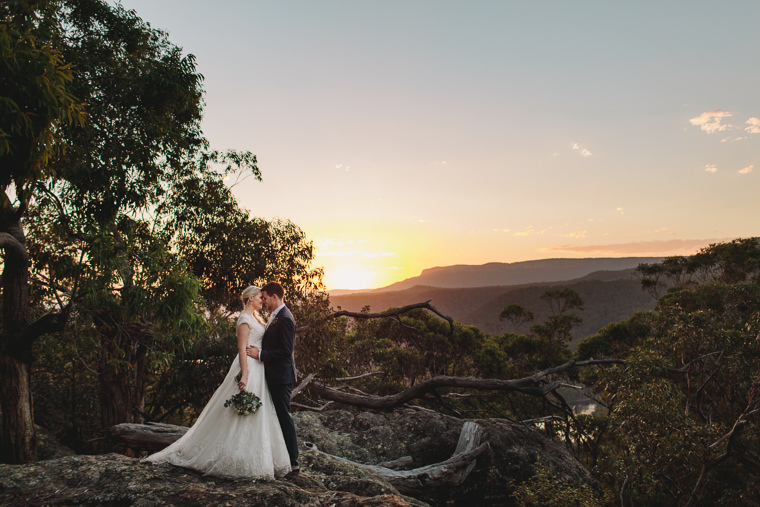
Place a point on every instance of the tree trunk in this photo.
(115, 400)
(18, 439)
(122, 370)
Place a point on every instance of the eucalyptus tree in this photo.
(35, 103)
(517, 315)
(95, 238)
(559, 325)
(141, 229)
(99, 238)
(226, 247)
(685, 408)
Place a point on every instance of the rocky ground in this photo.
(326, 479)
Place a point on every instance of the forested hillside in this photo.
(609, 296)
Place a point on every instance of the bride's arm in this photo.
(242, 341)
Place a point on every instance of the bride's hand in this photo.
(241, 384)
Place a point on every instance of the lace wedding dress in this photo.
(225, 444)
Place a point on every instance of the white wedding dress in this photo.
(224, 443)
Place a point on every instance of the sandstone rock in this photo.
(114, 479)
(410, 437)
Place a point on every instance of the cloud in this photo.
(664, 230)
(747, 169)
(577, 234)
(711, 121)
(655, 248)
(711, 168)
(529, 232)
(754, 126)
(583, 151)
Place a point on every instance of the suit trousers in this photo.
(281, 399)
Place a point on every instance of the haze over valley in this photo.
(475, 295)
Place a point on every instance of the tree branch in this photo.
(537, 385)
(390, 313)
(363, 375)
(687, 366)
(49, 323)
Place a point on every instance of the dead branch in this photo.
(363, 375)
(538, 384)
(449, 473)
(302, 385)
(321, 408)
(387, 314)
(402, 463)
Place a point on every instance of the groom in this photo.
(279, 363)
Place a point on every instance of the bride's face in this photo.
(255, 301)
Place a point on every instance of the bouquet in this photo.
(244, 402)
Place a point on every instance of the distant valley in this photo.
(475, 295)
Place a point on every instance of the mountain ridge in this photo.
(509, 273)
(610, 295)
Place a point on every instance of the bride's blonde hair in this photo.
(249, 293)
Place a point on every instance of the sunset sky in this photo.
(407, 134)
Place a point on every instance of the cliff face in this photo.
(329, 439)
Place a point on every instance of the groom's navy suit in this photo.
(277, 346)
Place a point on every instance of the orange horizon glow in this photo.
(370, 263)
(368, 256)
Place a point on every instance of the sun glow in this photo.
(350, 277)
(366, 256)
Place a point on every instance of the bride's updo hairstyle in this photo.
(249, 293)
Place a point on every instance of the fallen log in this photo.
(449, 473)
(150, 436)
(154, 436)
(398, 464)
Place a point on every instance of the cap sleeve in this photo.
(244, 319)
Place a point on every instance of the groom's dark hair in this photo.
(274, 289)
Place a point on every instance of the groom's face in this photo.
(268, 300)
(265, 299)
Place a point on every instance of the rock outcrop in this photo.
(430, 437)
(117, 480)
(332, 440)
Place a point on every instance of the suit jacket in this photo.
(277, 346)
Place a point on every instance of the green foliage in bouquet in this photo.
(244, 402)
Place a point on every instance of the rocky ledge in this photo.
(337, 445)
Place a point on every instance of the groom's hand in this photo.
(252, 351)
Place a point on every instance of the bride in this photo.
(222, 442)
